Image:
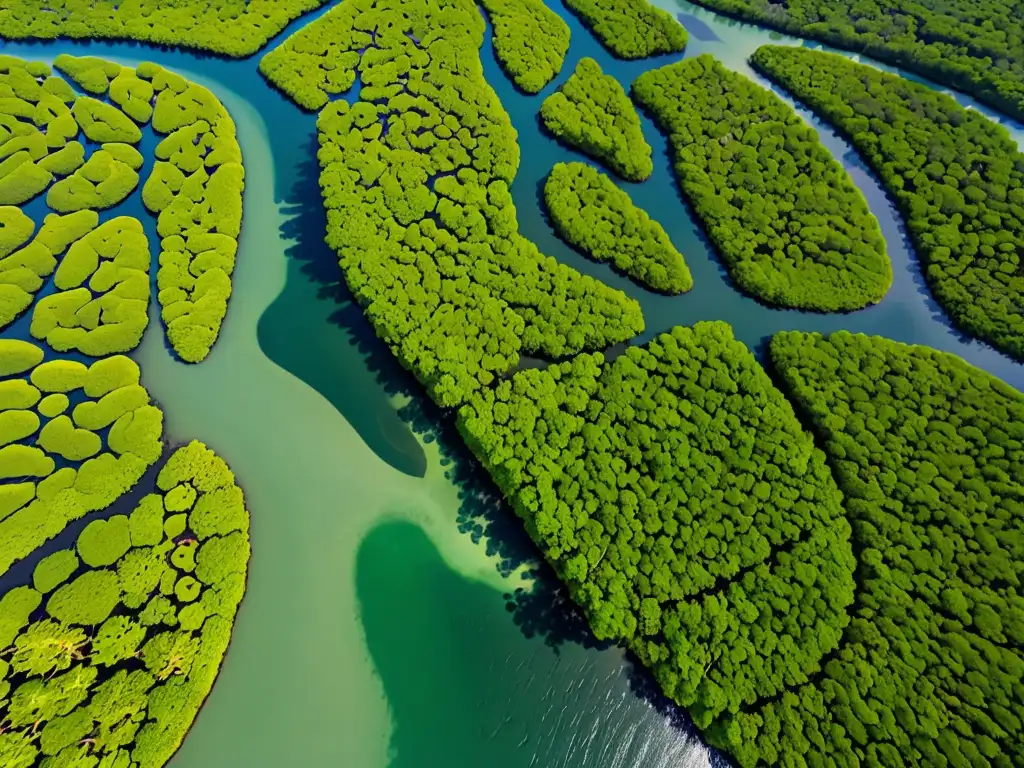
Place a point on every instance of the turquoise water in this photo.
(382, 626)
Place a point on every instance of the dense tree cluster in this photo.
(976, 46)
(930, 454)
(415, 179)
(631, 29)
(57, 464)
(530, 41)
(957, 177)
(238, 28)
(593, 215)
(693, 519)
(195, 187)
(112, 650)
(591, 112)
(790, 224)
(101, 305)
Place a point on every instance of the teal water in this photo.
(382, 626)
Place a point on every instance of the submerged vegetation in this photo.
(958, 179)
(976, 46)
(415, 179)
(530, 41)
(591, 112)
(590, 213)
(108, 649)
(631, 29)
(790, 224)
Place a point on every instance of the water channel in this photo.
(382, 626)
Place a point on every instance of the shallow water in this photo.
(376, 630)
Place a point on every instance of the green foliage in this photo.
(102, 122)
(17, 356)
(109, 671)
(15, 229)
(631, 29)
(530, 41)
(790, 224)
(592, 214)
(102, 182)
(53, 570)
(231, 29)
(103, 542)
(109, 315)
(976, 46)
(591, 112)
(21, 179)
(53, 405)
(692, 518)
(95, 474)
(87, 600)
(421, 215)
(93, 74)
(957, 177)
(927, 450)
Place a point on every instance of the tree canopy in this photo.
(113, 669)
(790, 224)
(231, 29)
(530, 41)
(631, 29)
(591, 112)
(976, 46)
(415, 178)
(957, 177)
(593, 215)
(675, 492)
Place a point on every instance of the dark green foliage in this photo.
(98, 678)
(957, 177)
(592, 214)
(691, 516)
(591, 112)
(631, 29)
(976, 46)
(232, 29)
(928, 451)
(530, 41)
(789, 223)
(421, 214)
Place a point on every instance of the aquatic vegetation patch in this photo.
(789, 223)
(232, 29)
(677, 495)
(112, 646)
(592, 113)
(195, 187)
(976, 46)
(928, 451)
(631, 29)
(957, 177)
(593, 215)
(530, 41)
(415, 179)
(56, 469)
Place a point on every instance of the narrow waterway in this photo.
(380, 627)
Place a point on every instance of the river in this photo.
(382, 626)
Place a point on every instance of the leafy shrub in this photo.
(591, 112)
(789, 223)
